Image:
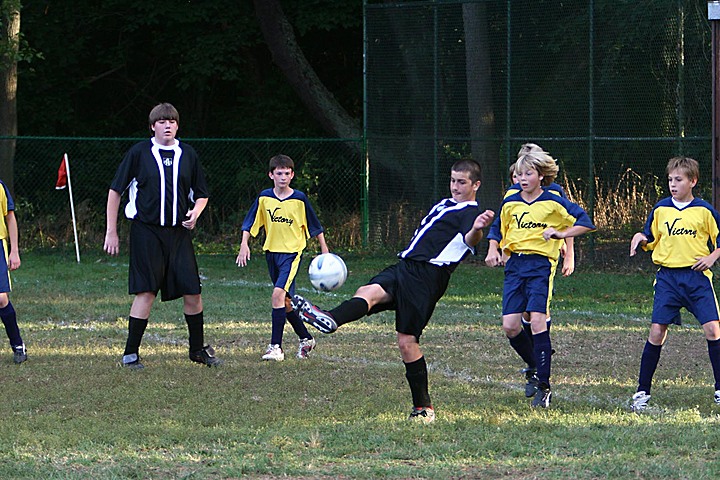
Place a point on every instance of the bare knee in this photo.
(658, 334)
(409, 347)
(192, 304)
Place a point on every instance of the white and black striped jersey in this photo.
(163, 182)
(440, 238)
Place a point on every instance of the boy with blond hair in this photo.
(533, 224)
(682, 233)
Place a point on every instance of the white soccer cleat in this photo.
(274, 352)
(305, 347)
(640, 400)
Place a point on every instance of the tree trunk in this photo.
(8, 97)
(288, 56)
(480, 103)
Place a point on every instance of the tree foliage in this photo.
(107, 62)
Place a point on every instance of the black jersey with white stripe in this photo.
(440, 238)
(163, 182)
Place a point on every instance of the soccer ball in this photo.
(327, 272)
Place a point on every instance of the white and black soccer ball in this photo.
(327, 272)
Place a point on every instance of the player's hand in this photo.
(243, 256)
(550, 232)
(568, 265)
(493, 258)
(14, 260)
(190, 219)
(637, 240)
(703, 263)
(484, 219)
(112, 244)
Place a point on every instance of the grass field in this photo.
(71, 412)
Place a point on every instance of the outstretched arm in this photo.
(475, 234)
(638, 240)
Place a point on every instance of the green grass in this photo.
(71, 412)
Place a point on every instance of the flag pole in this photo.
(72, 207)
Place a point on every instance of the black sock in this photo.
(136, 330)
(350, 310)
(9, 319)
(417, 377)
(714, 353)
(522, 344)
(542, 348)
(648, 365)
(527, 326)
(196, 327)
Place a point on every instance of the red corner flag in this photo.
(62, 176)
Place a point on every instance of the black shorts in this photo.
(415, 287)
(162, 259)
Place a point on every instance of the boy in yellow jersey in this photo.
(567, 250)
(9, 260)
(682, 232)
(289, 220)
(533, 224)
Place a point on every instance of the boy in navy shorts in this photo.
(413, 286)
(533, 224)
(289, 220)
(681, 231)
(167, 193)
(9, 260)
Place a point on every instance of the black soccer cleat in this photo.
(542, 397)
(311, 314)
(206, 356)
(532, 381)
(131, 361)
(19, 354)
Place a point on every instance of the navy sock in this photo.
(298, 326)
(528, 329)
(196, 331)
(417, 376)
(648, 365)
(9, 319)
(278, 325)
(522, 344)
(136, 330)
(543, 353)
(350, 310)
(714, 352)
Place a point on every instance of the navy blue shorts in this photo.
(415, 288)
(528, 284)
(5, 283)
(283, 268)
(162, 259)
(683, 287)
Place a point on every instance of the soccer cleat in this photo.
(311, 314)
(206, 356)
(717, 397)
(305, 347)
(19, 354)
(274, 352)
(422, 414)
(542, 397)
(532, 381)
(132, 362)
(640, 400)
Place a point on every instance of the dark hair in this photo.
(163, 111)
(281, 161)
(470, 166)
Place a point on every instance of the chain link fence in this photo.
(611, 88)
(236, 170)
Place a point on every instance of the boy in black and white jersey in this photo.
(167, 193)
(413, 286)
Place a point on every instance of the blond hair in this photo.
(686, 165)
(533, 156)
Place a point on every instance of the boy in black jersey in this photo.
(167, 193)
(413, 286)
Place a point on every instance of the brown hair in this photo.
(163, 111)
(687, 165)
(470, 166)
(281, 161)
